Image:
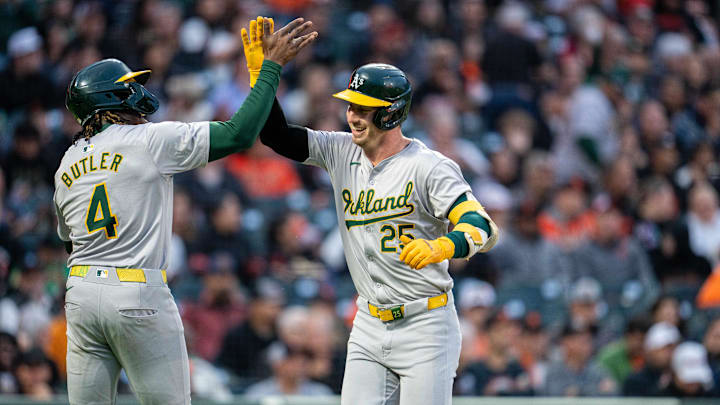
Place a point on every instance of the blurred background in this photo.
(589, 129)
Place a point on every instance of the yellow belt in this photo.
(398, 312)
(133, 275)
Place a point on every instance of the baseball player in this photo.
(113, 197)
(395, 199)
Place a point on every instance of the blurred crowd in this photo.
(589, 129)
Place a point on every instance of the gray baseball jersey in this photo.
(409, 193)
(113, 194)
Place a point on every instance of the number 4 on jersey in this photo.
(99, 215)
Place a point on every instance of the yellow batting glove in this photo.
(418, 253)
(252, 45)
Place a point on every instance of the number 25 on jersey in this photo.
(99, 215)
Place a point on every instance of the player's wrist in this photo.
(447, 247)
(254, 74)
(271, 65)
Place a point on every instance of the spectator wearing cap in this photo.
(476, 300)
(654, 378)
(289, 367)
(242, 347)
(672, 50)
(625, 356)
(187, 100)
(691, 374)
(576, 375)
(568, 222)
(499, 373)
(586, 310)
(25, 83)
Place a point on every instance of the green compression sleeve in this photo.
(240, 132)
(458, 238)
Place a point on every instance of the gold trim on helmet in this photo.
(361, 99)
(130, 76)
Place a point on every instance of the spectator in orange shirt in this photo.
(568, 222)
(264, 174)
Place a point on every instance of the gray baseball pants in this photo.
(410, 361)
(114, 325)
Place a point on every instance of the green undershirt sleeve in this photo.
(458, 238)
(239, 133)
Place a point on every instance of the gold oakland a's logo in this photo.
(356, 82)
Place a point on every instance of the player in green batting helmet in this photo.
(380, 86)
(108, 85)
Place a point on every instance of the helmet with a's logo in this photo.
(383, 86)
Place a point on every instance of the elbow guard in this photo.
(478, 240)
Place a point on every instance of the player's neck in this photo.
(128, 119)
(388, 145)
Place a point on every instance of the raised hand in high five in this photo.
(253, 47)
(282, 46)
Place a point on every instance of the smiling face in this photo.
(360, 120)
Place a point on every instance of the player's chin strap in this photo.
(477, 238)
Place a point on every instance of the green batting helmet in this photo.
(380, 85)
(109, 85)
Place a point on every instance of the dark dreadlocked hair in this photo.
(95, 123)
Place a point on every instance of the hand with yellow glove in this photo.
(418, 253)
(252, 45)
